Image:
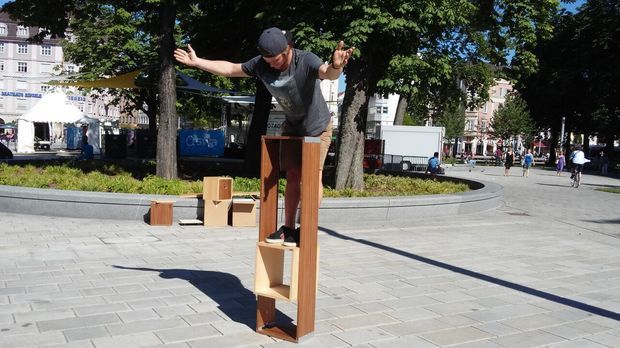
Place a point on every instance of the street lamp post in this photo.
(562, 134)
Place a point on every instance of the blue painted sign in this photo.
(200, 142)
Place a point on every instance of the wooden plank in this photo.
(270, 174)
(190, 222)
(283, 332)
(191, 195)
(265, 312)
(306, 297)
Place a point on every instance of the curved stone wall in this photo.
(122, 206)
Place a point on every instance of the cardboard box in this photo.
(217, 188)
(161, 213)
(243, 212)
(216, 212)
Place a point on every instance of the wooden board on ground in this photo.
(190, 222)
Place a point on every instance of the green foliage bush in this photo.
(111, 178)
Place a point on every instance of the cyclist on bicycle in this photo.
(578, 159)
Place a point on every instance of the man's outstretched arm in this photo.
(340, 58)
(216, 67)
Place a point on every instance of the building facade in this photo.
(477, 139)
(25, 69)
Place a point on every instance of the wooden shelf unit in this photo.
(269, 276)
(270, 258)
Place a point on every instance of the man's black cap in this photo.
(272, 42)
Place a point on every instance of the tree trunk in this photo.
(167, 134)
(258, 128)
(553, 140)
(349, 168)
(401, 108)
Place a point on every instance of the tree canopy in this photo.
(512, 118)
(578, 75)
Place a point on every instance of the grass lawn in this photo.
(610, 189)
(138, 177)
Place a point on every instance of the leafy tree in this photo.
(453, 120)
(578, 74)
(598, 39)
(512, 119)
(417, 48)
(159, 20)
(112, 43)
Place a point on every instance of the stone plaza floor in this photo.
(541, 270)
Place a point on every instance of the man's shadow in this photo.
(233, 299)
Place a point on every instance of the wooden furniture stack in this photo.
(222, 207)
(269, 285)
(217, 198)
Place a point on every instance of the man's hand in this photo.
(340, 58)
(188, 57)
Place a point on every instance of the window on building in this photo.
(1, 47)
(46, 50)
(22, 48)
(46, 68)
(3, 29)
(385, 109)
(45, 88)
(483, 126)
(378, 109)
(22, 67)
(485, 108)
(22, 31)
(22, 104)
(70, 68)
(1, 66)
(81, 107)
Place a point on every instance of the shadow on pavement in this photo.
(233, 299)
(607, 221)
(530, 291)
(601, 185)
(556, 185)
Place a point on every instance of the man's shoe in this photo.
(292, 239)
(279, 236)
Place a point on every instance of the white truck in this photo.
(410, 147)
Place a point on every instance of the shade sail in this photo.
(120, 81)
(144, 78)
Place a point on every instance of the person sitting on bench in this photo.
(434, 166)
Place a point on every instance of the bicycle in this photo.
(575, 177)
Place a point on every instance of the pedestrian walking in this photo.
(528, 162)
(560, 163)
(508, 161)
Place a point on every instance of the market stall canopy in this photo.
(144, 78)
(53, 107)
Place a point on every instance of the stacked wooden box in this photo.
(220, 206)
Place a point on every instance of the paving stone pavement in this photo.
(541, 270)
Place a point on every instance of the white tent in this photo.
(53, 107)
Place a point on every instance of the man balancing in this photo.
(292, 76)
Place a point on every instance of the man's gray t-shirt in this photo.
(296, 90)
